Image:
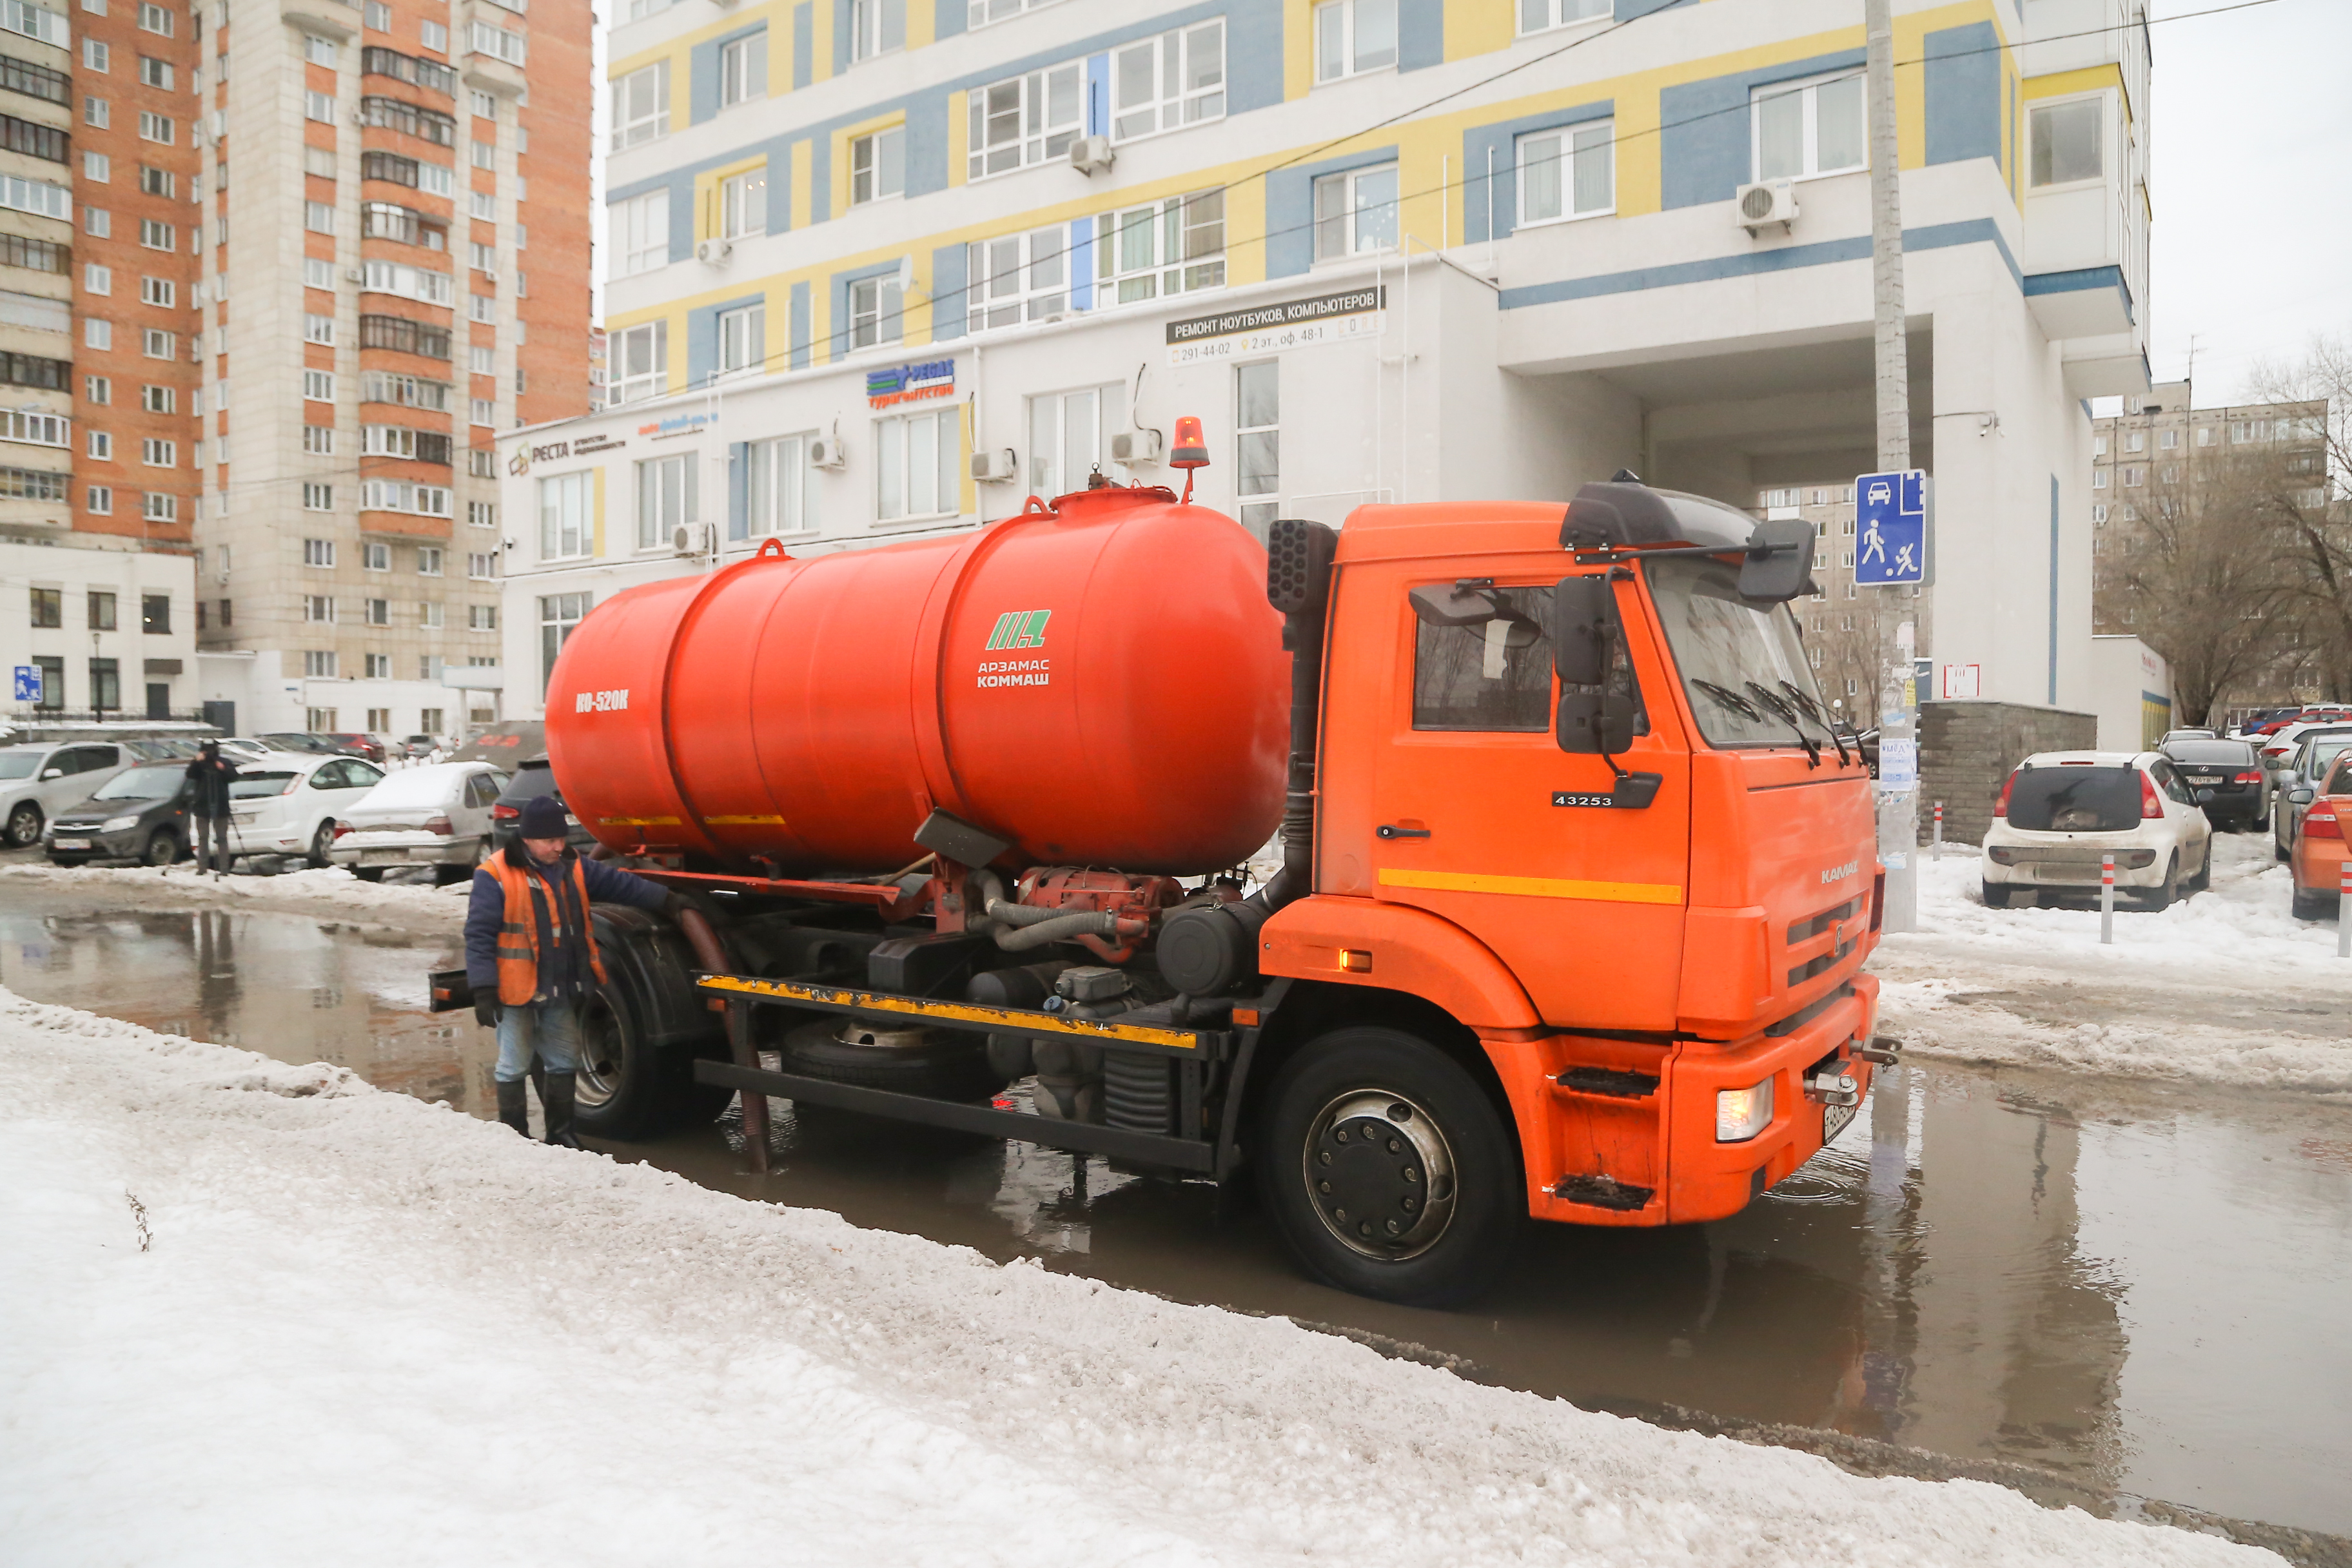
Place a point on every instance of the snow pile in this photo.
(344, 1325)
(330, 888)
(2224, 988)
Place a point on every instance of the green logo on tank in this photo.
(1019, 629)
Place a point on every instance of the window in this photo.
(778, 485)
(154, 18)
(640, 361)
(32, 484)
(876, 311)
(425, 125)
(161, 291)
(158, 399)
(875, 26)
(2136, 441)
(157, 236)
(559, 615)
(98, 112)
(918, 466)
(1482, 676)
(95, 221)
(319, 663)
(485, 411)
(1568, 173)
(2065, 142)
(640, 233)
(34, 428)
(1536, 16)
(2168, 438)
(480, 358)
(483, 258)
(2098, 446)
(1355, 213)
(641, 106)
(1165, 248)
(483, 155)
(2134, 478)
(434, 37)
(318, 553)
(101, 446)
(1018, 277)
(318, 497)
(400, 495)
(484, 105)
(743, 336)
(154, 73)
(97, 333)
(318, 272)
(481, 566)
(157, 128)
(481, 617)
(155, 613)
(1257, 443)
(877, 165)
(161, 507)
(482, 513)
(2098, 514)
(743, 203)
(94, 55)
(498, 44)
(36, 370)
(35, 80)
(1352, 37)
(1028, 120)
(105, 684)
(49, 607)
(156, 452)
(1807, 127)
(408, 282)
(319, 386)
(400, 333)
(1177, 79)
(319, 440)
(743, 70)
(97, 166)
(428, 560)
(400, 441)
(100, 500)
(665, 498)
(157, 343)
(565, 516)
(317, 328)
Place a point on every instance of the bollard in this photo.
(2108, 899)
(1937, 850)
(2343, 911)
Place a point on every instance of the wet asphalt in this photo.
(2100, 1291)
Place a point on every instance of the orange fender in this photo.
(1364, 942)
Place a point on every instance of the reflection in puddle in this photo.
(2134, 1288)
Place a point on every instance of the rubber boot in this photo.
(512, 1108)
(555, 1097)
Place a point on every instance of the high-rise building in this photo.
(282, 263)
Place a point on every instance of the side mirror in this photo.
(1584, 629)
(1780, 563)
(2299, 797)
(48, 774)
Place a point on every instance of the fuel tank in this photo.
(1100, 681)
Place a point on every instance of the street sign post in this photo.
(1890, 525)
(28, 683)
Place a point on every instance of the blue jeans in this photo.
(550, 1029)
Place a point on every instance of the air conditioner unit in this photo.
(996, 466)
(826, 452)
(1775, 201)
(1135, 446)
(1088, 154)
(491, 275)
(714, 252)
(696, 538)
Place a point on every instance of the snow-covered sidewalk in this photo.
(330, 890)
(260, 1314)
(2224, 988)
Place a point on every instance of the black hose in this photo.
(1059, 927)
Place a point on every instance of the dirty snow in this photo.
(328, 889)
(261, 1314)
(2224, 988)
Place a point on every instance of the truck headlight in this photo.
(118, 824)
(1741, 1113)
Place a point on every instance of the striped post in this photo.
(2344, 910)
(2108, 899)
(1937, 849)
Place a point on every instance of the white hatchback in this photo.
(287, 803)
(2061, 811)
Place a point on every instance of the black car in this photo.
(140, 814)
(532, 777)
(2232, 771)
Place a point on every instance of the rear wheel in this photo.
(1996, 897)
(1388, 1168)
(2314, 906)
(625, 1088)
(2160, 896)
(443, 876)
(368, 873)
(24, 825)
(322, 841)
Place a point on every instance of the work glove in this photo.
(486, 1012)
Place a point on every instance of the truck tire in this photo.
(940, 1065)
(626, 1091)
(1388, 1170)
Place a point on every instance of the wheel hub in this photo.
(1379, 1174)
(602, 1053)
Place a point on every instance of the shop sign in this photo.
(1287, 324)
(908, 382)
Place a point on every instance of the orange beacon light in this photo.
(1192, 450)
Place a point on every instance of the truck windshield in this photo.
(1739, 659)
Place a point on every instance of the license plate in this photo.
(69, 843)
(1834, 1118)
(2205, 778)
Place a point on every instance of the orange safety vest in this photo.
(519, 936)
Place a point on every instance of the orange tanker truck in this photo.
(1576, 880)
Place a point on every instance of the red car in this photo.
(357, 745)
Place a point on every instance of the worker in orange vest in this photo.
(530, 956)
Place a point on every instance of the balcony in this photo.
(326, 18)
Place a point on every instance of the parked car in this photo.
(421, 746)
(288, 802)
(240, 751)
(2320, 849)
(2240, 782)
(2172, 735)
(141, 813)
(2061, 811)
(160, 749)
(505, 744)
(2296, 783)
(532, 777)
(354, 744)
(301, 741)
(436, 815)
(41, 778)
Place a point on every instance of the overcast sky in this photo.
(2252, 243)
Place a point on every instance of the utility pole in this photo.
(1898, 717)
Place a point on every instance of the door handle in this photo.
(1386, 831)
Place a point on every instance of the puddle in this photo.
(2136, 1291)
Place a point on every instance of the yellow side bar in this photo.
(638, 821)
(748, 821)
(962, 1012)
(1532, 887)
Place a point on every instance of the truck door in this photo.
(1476, 813)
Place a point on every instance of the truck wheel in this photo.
(937, 1064)
(627, 1089)
(1388, 1170)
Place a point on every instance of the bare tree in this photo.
(2314, 532)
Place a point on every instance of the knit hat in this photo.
(542, 818)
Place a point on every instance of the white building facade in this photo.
(881, 269)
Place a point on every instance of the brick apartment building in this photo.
(281, 266)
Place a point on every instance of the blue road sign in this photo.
(1890, 514)
(28, 683)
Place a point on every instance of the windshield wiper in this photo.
(1788, 716)
(1813, 710)
(1731, 700)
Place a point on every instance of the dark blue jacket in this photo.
(553, 904)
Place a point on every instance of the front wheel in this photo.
(1388, 1168)
(24, 825)
(162, 848)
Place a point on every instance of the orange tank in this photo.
(1102, 682)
